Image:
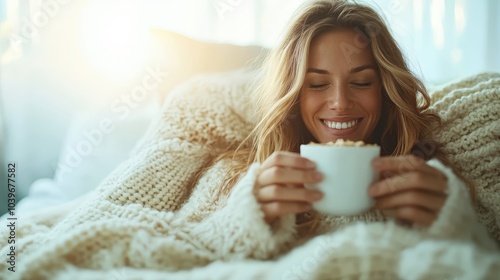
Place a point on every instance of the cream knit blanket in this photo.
(144, 222)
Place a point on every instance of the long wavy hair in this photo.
(404, 127)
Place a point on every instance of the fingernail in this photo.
(317, 176)
(317, 195)
(310, 164)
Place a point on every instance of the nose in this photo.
(339, 99)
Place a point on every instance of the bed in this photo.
(136, 220)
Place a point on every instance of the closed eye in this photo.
(319, 86)
(363, 85)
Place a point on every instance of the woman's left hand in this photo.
(409, 189)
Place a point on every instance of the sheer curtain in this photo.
(443, 39)
(446, 39)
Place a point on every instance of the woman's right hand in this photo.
(279, 187)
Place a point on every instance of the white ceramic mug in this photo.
(347, 175)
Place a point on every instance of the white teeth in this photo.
(340, 125)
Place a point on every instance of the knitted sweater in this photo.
(146, 222)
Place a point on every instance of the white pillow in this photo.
(95, 144)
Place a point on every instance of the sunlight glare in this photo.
(115, 39)
(437, 11)
(417, 14)
(460, 17)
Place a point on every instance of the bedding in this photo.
(79, 171)
(149, 219)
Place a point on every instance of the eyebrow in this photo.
(353, 70)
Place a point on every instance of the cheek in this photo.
(374, 105)
(307, 107)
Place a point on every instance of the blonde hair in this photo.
(279, 126)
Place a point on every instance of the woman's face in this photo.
(341, 95)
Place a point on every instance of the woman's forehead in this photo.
(344, 48)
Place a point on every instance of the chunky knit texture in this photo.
(470, 111)
(146, 222)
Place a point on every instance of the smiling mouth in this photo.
(341, 125)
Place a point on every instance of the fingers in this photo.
(411, 214)
(294, 185)
(287, 168)
(431, 202)
(287, 159)
(281, 193)
(410, 190)
(389, 166)
(274, 210)
(279, 200)
(409, 181)
(279, 186)
(283, 175)
(406, 173)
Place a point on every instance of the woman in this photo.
(338, 73)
